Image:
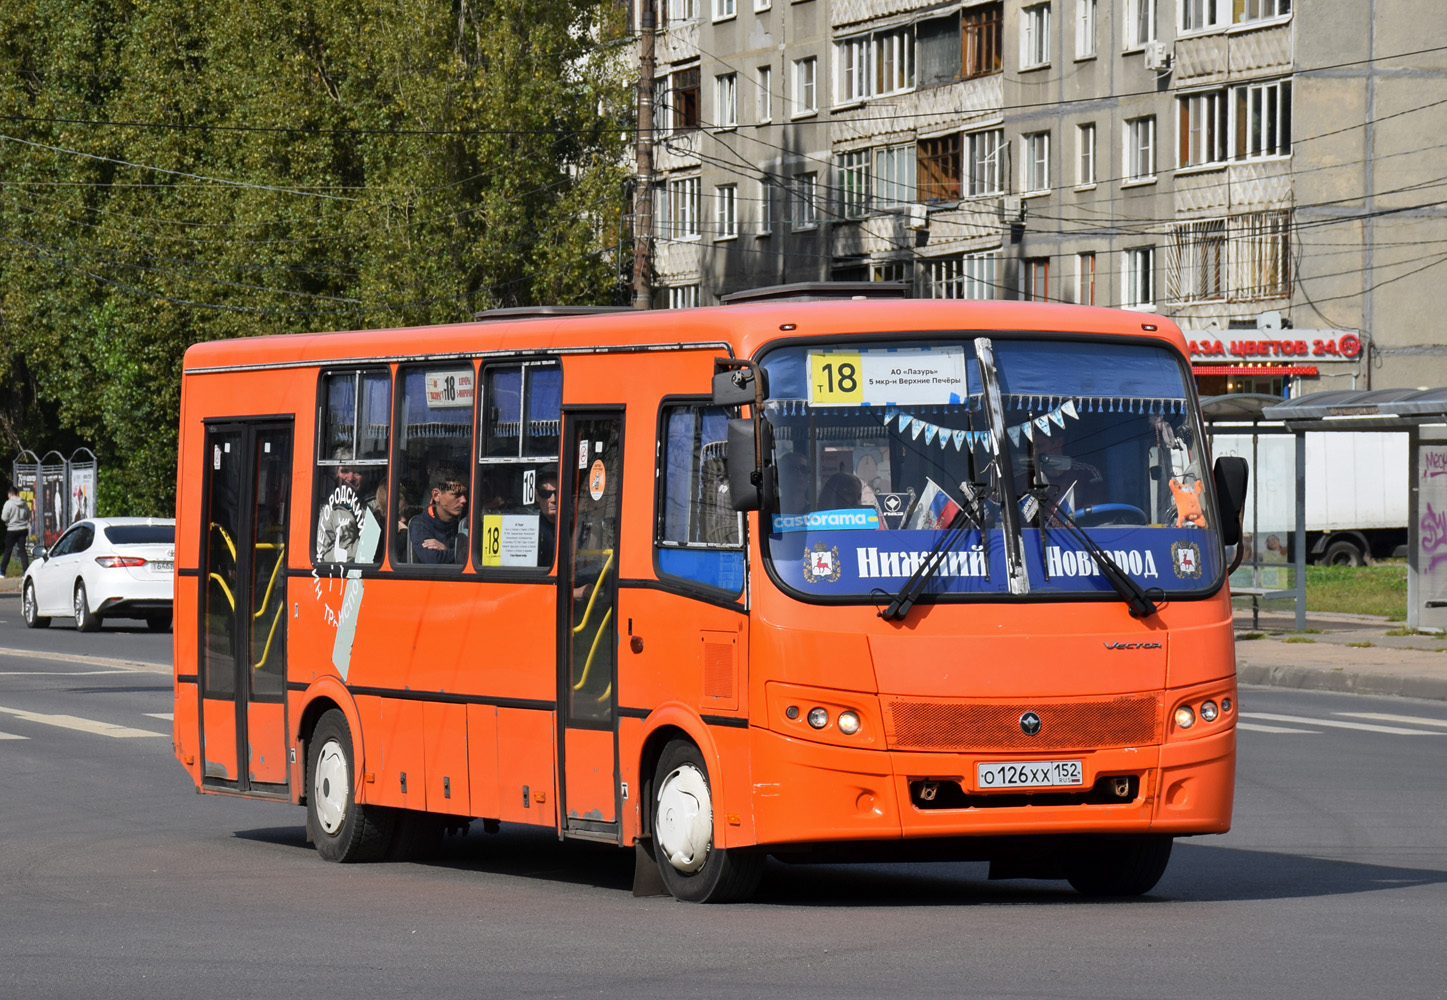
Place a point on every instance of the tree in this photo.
(186, 170)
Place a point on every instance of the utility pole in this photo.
(643, 191)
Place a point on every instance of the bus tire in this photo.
(1118, 866)
(693, 869)
(341, 827)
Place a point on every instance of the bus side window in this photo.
(520, 426)
(699, 535)
(431, 493)
(351, 467)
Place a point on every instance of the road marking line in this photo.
(82, 725)
(68, 673)
(167, 716)
(99, 661)
(1257, 727)
(12, 736)
(1338, 724)
(1384, 717)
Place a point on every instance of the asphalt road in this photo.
(117, 880)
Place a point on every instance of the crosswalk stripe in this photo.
(167, 716)
(1416, 720)
(12, 736)
(1257, 727)
(82, 725)
(1338, 724)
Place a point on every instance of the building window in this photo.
(678, 209)
(682, 10)
(723, 9)
(1258, 10)
(1035, 36)
(894, 174)
(761, 4)
(726, 211)
(806, 99)
(1140, 148)
(726, 100)
(1263, 120)
(1035, 176)
(1261, 244)
(1203, 129)
(1196, 262)
(937, 48)
(662, 108)
(683, 297)
(889, 270)
(968, 277)
(984, 162)
(684, 100)
(1084, 29)
(1140, 23)
(763, 99)
(1036, 279)
(983, 39)
(1138, 288)
(854, 183)
(1085, 279)
(1199, 15)
(766, 208)
(939, 169)
(874, 64)
(806, 205)
(1085, 154)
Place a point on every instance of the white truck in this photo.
(1356, 494)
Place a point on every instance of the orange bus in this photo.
(821, 580)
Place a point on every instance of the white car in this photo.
(105, 567)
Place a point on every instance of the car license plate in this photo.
(163, 565)
(1029, 774)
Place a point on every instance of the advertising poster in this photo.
(82, 493)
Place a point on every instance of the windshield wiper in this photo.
(1142, 603)
(972, 511)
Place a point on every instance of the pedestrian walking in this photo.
(16, 517)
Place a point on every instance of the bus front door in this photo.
(243, 606)
(592, 480)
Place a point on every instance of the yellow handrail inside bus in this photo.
(270, 635)
(225, 590)
(588, 611)
(275, 569)
(225, 538)
(592, 650)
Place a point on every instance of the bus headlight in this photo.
(1208, 711)
(848, 723)
(1185, 717)
(818, 717)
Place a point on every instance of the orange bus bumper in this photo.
(808, 792)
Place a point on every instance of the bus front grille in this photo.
(1129, 720)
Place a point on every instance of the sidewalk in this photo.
(1352, 653)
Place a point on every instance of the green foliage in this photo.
(175, 171)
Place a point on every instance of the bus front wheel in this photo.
(341, 827)
(693, 869)
(1118, 866)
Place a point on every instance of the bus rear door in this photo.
(242, 641)
(592, 480)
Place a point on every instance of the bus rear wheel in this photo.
(341, 827)
(1118, 866)
(693, 869)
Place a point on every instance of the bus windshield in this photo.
(1006, 467)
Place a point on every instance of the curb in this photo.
(1345, 681)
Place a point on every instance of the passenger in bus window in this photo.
(842, 491)
(339, 521)
(433, 534)
(1075, 483)
(794, 483)
(547, 516)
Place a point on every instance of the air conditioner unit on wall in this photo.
(1158, 56)
(916, 217)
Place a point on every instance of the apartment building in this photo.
(1261, 171)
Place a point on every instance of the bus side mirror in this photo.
(744, 466)
(1231, 475)
(739, 384)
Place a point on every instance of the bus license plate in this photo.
(1029, 774)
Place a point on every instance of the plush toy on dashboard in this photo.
(1188, 504)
